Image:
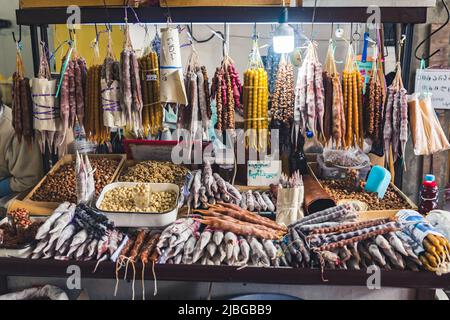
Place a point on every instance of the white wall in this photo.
(240, 42)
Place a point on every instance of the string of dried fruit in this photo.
(360, 80)
(131, 86)
(207, 92)
(328, 114)
(334, 115)
(256, 107)
(283, 101)
(216, 91)
(395, 133)
(95, 129)
(309, 94)
(144, 66)
(152, 120)
(22, 106)
(226, 90)
(113, 117)
(352, 100)
(284, 95)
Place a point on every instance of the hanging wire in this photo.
(313, 19)
(424, 57)
(191, 31)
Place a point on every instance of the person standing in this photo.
(20, 163)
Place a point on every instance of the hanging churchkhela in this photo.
(309, 94)
(272, 62)
(197, 114)
(256, 98)
(131, 86)
(72, 90)
(111, 108)
(152, 111)
(352, 93)
(226, 90)
(395, 133)
(283, 100)
(95, 129)
(46, 118)
(334, 116)
(374, 109)
(22, 107)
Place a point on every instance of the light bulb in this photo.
(283, 37)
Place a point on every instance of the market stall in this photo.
(323, 214)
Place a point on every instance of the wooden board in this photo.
(198, 273)
(440, 41)
(372, 214)
(226, 3)
(65, 160)
(24, 4)
(439, 165)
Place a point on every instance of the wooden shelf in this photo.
(45, 16)
(199, 273)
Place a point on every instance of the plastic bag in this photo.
(113, 117)
(46, 292)
(172, 84)
(350, 158)
(85, 183)
(290, 205)
(427, 134)
(440, 220)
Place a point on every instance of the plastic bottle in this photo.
(429, 195)
(297, 160)
(312, 145)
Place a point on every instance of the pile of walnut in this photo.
(60, 185)
(344, 189)
(132, 199)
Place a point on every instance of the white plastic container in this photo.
(139, 219)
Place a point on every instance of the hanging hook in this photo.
(401, 42)
(20, 35)
(255, 32)
(97, 35)
(431, 35)
(71, 35)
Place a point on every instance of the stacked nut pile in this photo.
(60, 185)
(344, 189)
(155, 172)
(125, 199)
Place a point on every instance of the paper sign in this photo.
(263, 173)
(436, 82)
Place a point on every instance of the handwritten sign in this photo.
(263, 173)
(436, 82)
